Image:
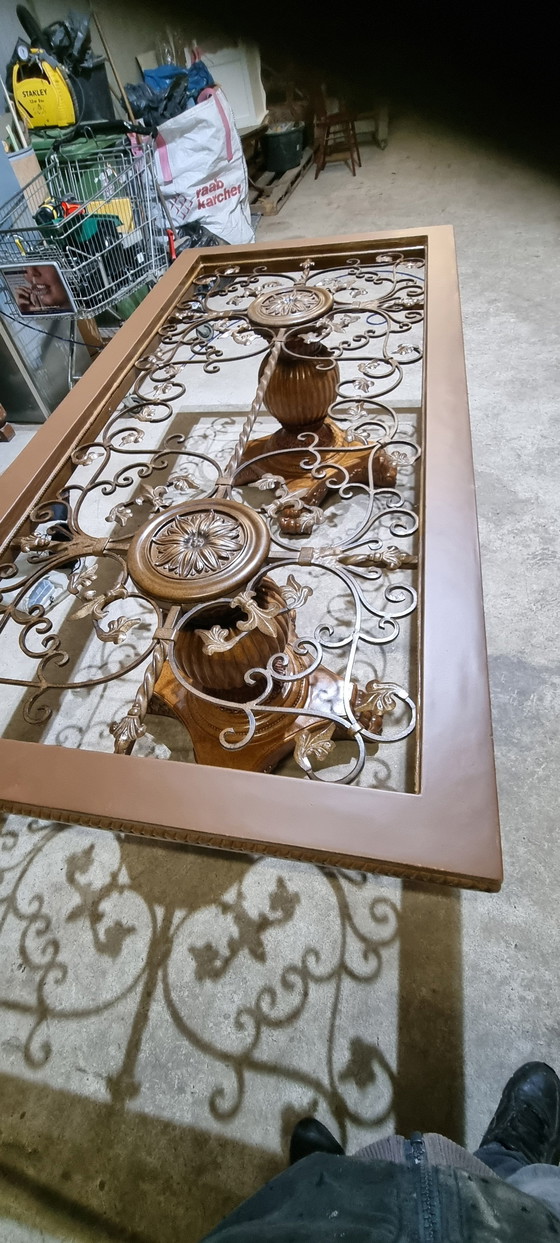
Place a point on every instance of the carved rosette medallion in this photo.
(198, 551)
(284, 308)
(195, 544)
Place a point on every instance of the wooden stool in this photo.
(336, 139)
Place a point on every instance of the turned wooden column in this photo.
(303, 386)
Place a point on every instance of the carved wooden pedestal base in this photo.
(276, 735)
(200, 550)
(352, 457)
(6, 430)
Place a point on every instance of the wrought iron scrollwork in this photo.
(349, 519)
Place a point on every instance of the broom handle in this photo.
(12, 108)
(118, 81)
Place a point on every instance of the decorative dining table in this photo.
(240, 592)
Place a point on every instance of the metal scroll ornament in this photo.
(223, 580)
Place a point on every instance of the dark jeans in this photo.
(501, 1160)
(540, 1181)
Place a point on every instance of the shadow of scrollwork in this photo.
(354, 954)
(226, 995)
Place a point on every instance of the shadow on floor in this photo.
(429, 1085)
(153, 1182)
(244, 989)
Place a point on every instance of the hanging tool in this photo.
(19, 132)
(118, 80)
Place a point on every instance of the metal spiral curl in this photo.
(131, 727)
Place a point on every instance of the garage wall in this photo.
(131, 27)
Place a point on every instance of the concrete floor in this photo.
(167, 1014)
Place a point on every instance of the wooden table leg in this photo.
(382, 126)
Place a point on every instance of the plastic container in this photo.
(283, 147)
(42, 142)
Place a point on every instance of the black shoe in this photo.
(309, 1136)
(527, 1119)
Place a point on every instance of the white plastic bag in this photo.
(201, 169)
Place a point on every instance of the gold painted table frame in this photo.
(448, 828)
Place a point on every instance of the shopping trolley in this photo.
(86, 232)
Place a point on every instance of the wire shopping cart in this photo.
(86, 232)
